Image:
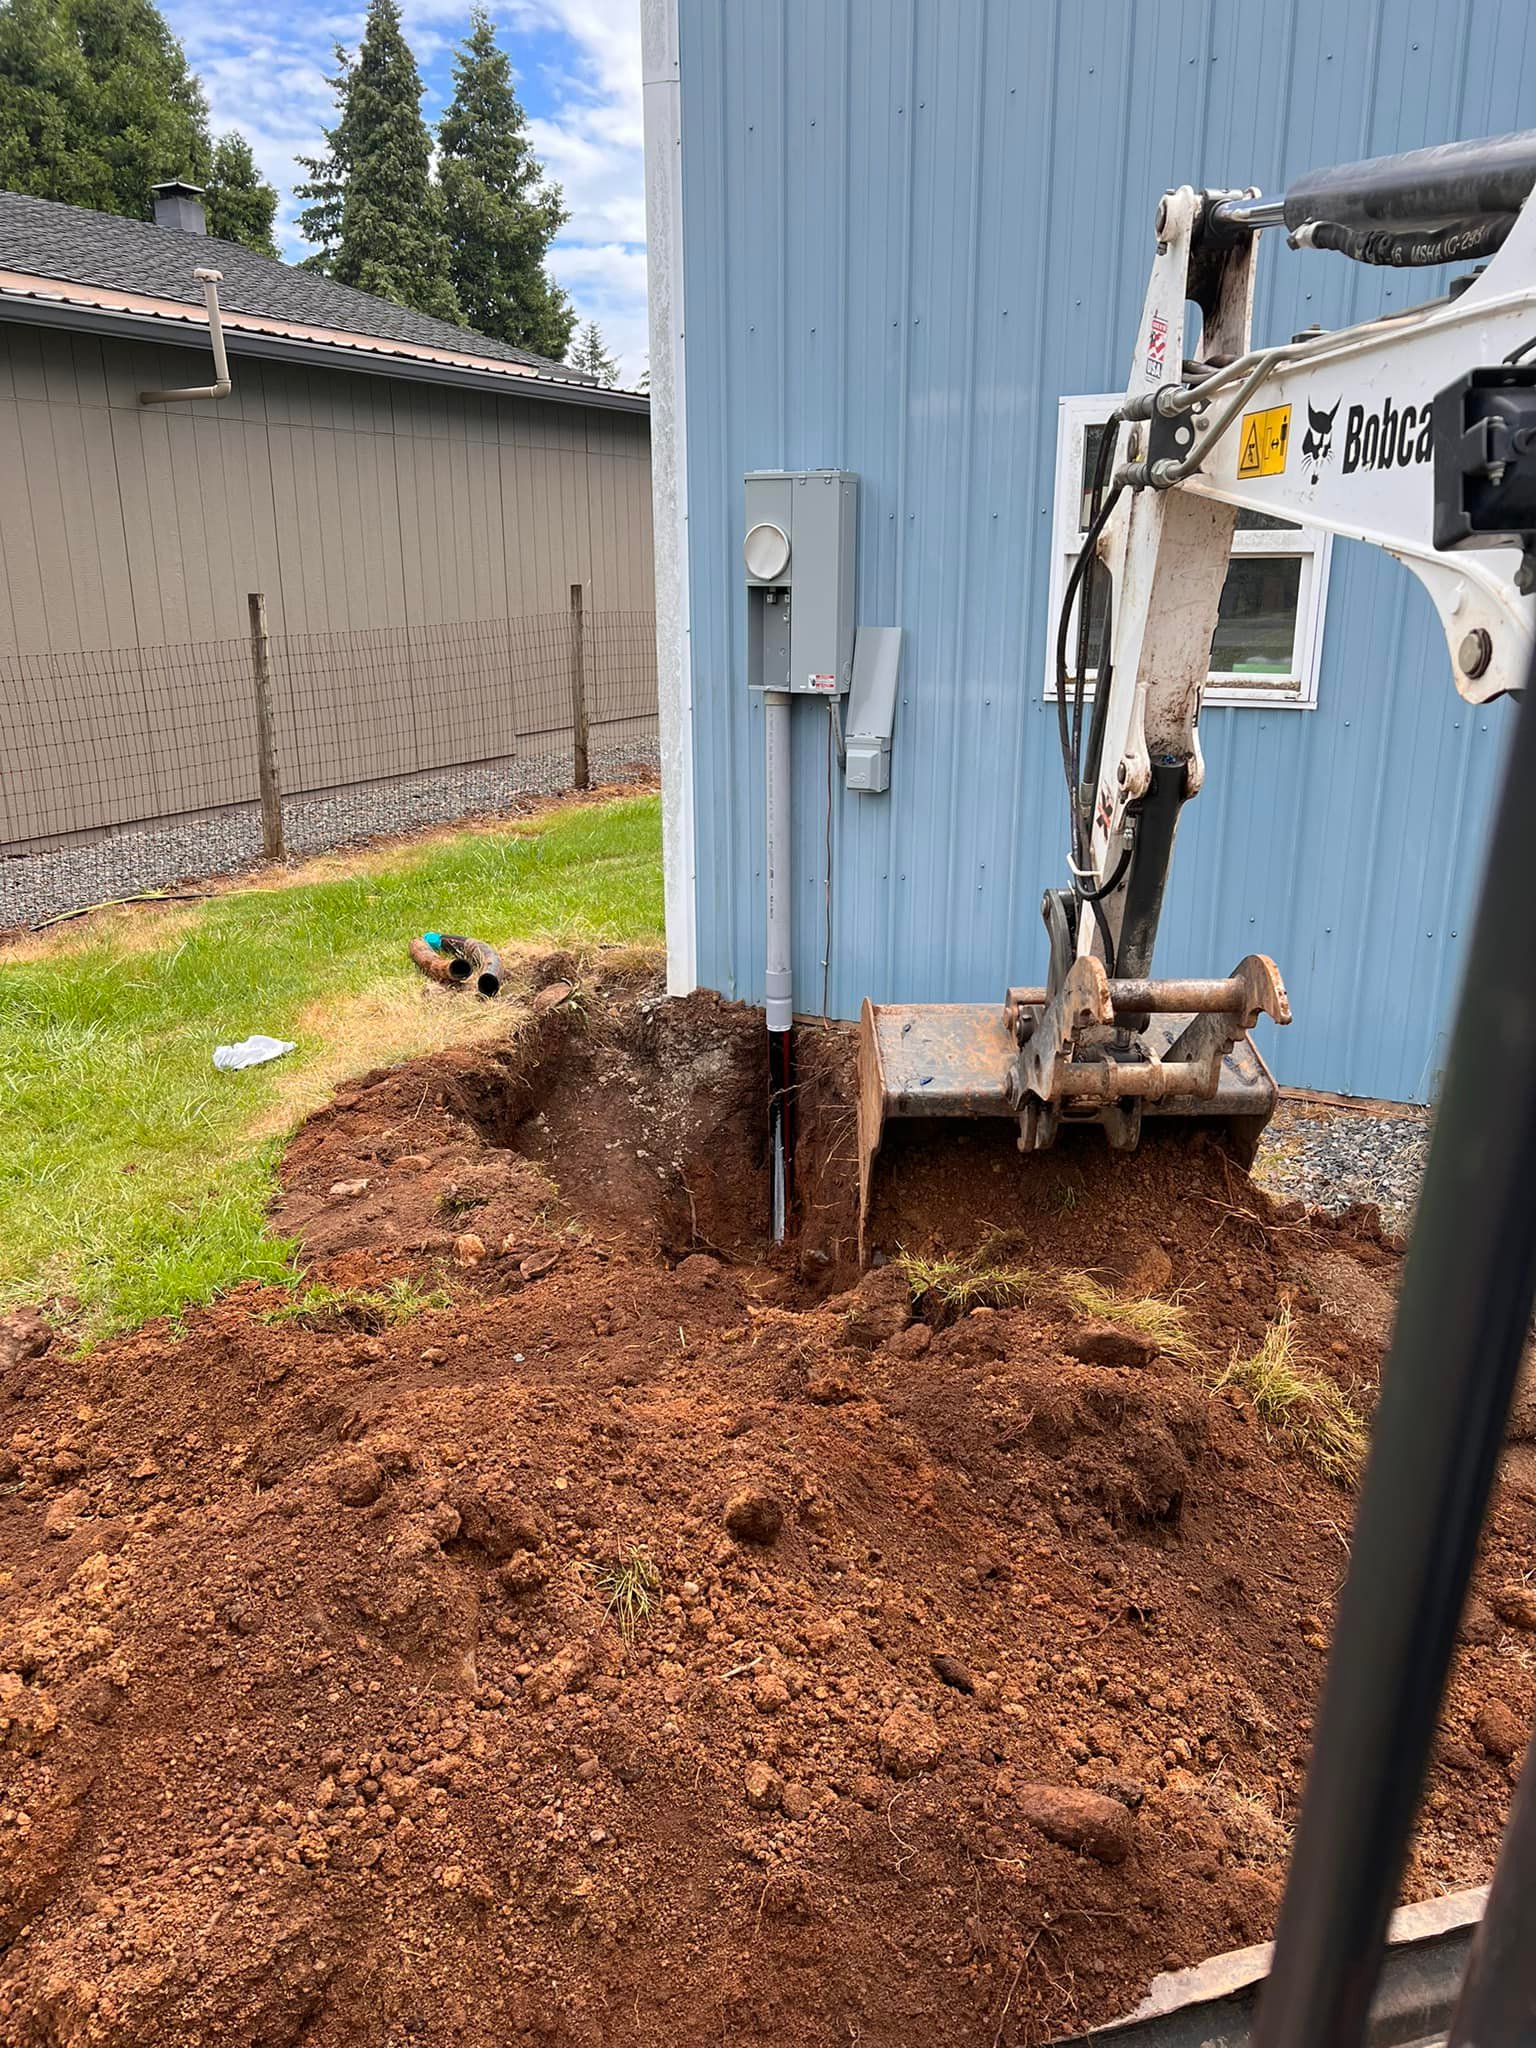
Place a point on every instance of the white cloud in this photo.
(267, 77)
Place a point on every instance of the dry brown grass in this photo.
(1300, 1402)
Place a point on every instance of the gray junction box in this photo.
(801, 528)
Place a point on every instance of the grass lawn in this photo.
(134, 1176)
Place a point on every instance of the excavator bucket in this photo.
(1097, 1052)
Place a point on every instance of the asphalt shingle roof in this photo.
(44, 239)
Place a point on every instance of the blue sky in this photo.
(577, 64)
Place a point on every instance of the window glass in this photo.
(1256, 628)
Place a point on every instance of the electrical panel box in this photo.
(801, 529)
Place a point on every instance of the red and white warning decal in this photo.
(819, 682)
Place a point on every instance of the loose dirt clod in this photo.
(1516, 1604)
(1108, 1344)
(281, 1766)
(910, 1741)
(753, 1516)
(1499, 1731)
(1087, 1821)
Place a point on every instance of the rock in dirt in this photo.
(879, 1308)
(1479, 1624)
(538, 1264)
(551, 996)
(910, 1741)
(24, 1334)
(764, 1788)
(356, 1480)
(911, 1342)
(753, 1516)
(1516, 1604)
(1089, 1822)
(1110, 1344)
(950, 1671)
(347, 1190)
(66, 1510)
(798, 1803)
(1498, 1730)
(468, 1250)
(770, 1695)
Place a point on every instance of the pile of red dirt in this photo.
(663, 1643)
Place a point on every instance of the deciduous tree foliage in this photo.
(501, 215)
(376, 210)
(97, 105)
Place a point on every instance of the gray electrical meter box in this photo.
(798, 551)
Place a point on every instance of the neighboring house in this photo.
(911, 240)
(414, 501)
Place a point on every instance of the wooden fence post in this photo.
(266, 732)
(580, 772)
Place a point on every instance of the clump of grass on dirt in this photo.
(369, 1309)
(134, 1177)
(1308, 1407)
(986, 1278)
(631, 1587)
(1150, 1313)
(992, 1277)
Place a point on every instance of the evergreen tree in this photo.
(97, 104)
(325, 188)
(501, 216)
(589, 354)
(388, 216)
(241, 204)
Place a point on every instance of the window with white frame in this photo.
(1268, 643)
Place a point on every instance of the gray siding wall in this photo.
(909, 227)
(357, 503)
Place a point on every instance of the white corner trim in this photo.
(661, 73)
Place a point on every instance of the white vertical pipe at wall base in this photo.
(776, 979)
(777, 994)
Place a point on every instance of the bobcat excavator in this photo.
(1416, 432)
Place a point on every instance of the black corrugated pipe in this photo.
(1461, 1325)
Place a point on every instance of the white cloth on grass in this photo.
(250, 1052)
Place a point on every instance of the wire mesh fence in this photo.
(126, 769)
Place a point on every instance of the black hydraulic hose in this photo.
(1460, 1330)
(1069, 597)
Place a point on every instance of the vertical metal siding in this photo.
(909, 226)
(355, 502)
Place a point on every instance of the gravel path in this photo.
(1329, 1157)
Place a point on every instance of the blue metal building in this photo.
(890, 236)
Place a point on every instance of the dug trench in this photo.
(564, 1622)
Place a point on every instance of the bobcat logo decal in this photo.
(1317, 441)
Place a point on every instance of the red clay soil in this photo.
(975, 1691)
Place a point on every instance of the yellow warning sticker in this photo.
(1263, 440)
